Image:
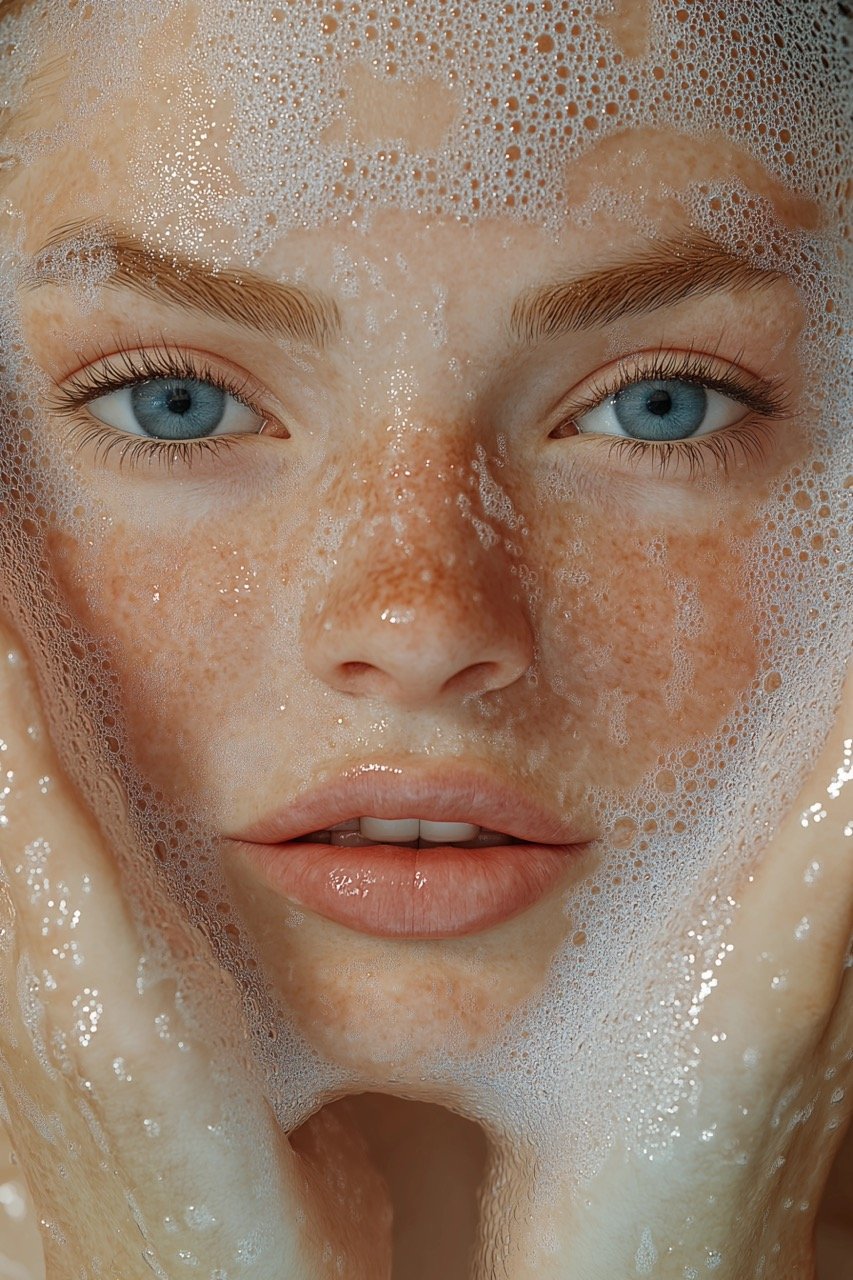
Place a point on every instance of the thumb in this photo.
(781, 982)
(797, 917)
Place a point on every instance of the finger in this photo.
(70, 914)
(778, 980)
(800, 909)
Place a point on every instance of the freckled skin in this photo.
(214, 610)
(220, 595)
(561, 617)
(217, 611)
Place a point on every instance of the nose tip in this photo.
(436, 655)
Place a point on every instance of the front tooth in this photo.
(390, 830)
(441, 832)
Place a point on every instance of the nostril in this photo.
(361, 678)
(478, 678)
(355, 670)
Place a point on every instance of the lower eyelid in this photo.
(131, 452)
(749, 440)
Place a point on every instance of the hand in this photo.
(149, 1149)
(737, 1193)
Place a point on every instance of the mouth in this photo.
(410, 833)
(478, 854)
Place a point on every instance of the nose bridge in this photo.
(432, 515)
(425, 564)
(422, 602)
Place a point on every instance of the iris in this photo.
(178, 409)
(660, 410)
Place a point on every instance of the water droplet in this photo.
(199, 1216)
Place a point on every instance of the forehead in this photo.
(272, 114)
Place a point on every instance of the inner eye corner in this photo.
(272, 430)
(564, 430)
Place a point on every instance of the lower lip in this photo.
(393, 892)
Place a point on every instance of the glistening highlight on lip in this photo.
(395, 892)
(412, 889)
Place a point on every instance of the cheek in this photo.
(190, 631)
(651, 640)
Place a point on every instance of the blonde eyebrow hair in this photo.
(238, 297)
(659, 274)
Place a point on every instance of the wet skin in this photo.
(419, 557)
(422, 467)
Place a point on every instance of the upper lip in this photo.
(457, 794)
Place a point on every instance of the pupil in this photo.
(179, 400)
(659, 403)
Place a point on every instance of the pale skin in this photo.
(410, 423)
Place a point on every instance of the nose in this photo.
(440, 621)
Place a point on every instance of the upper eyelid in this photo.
(688, 363)
(709, 370)
(91, 379)
(202, 364)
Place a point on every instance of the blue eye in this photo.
(662, 409)
(174, 409)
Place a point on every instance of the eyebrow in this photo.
(238, 297)
(664, 272)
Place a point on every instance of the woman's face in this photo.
(424, 546)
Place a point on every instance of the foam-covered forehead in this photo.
(279, 113)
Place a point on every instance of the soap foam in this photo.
(523, 90)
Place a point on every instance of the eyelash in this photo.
(124, 369)
(767, 399)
